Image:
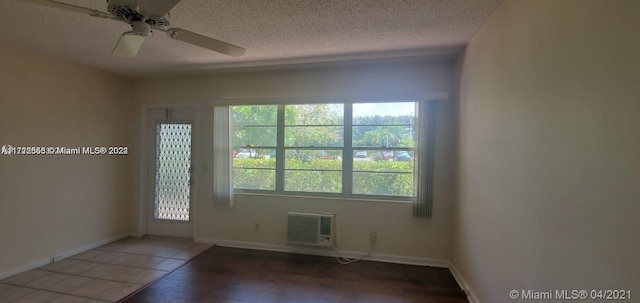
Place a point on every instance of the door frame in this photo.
(142, 207)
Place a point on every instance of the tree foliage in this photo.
(314, 125)
(387, 131)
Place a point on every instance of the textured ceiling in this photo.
(274, 32)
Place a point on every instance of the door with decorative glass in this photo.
(170, 172)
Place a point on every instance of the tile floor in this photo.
(105, 274)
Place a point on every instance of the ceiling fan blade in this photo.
(206, 42)
(128, 45)
(157, 7)
(70, 7)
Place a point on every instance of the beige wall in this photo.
(549, 150)
(53, 204)
(398, 232)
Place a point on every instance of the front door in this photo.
(170, 172)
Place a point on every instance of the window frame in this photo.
(347, 149)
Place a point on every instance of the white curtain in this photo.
(426, 133)
(222, 169)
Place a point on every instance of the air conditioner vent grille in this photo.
(310, 229)
(302, 229)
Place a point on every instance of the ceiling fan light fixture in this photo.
(128, 45)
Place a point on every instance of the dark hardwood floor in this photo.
(232, 275)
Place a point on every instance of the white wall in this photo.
(398, 232)
(549, 150)
(53, 204)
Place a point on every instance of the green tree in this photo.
(254, 126)
(391, 131)
(314, 125)
(380, 136)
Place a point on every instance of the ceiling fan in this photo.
(144, 16)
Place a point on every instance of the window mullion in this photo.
(280, 152)
(347, 149)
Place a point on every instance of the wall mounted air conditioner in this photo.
(317, 229)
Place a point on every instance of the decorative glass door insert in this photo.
(173, 172)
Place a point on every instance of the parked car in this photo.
(361, 154)
(246, 154)
(403, 156)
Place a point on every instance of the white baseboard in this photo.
(26, 267)
(327, 252)
(60, 256)
(463, 284)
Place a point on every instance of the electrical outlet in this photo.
(256, 227)
(374, 237)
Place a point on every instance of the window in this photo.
(340, 149)
(254, 144)
(313, 142)
(383, 142)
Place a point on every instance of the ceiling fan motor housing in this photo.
(141, 28)
(128, 11)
